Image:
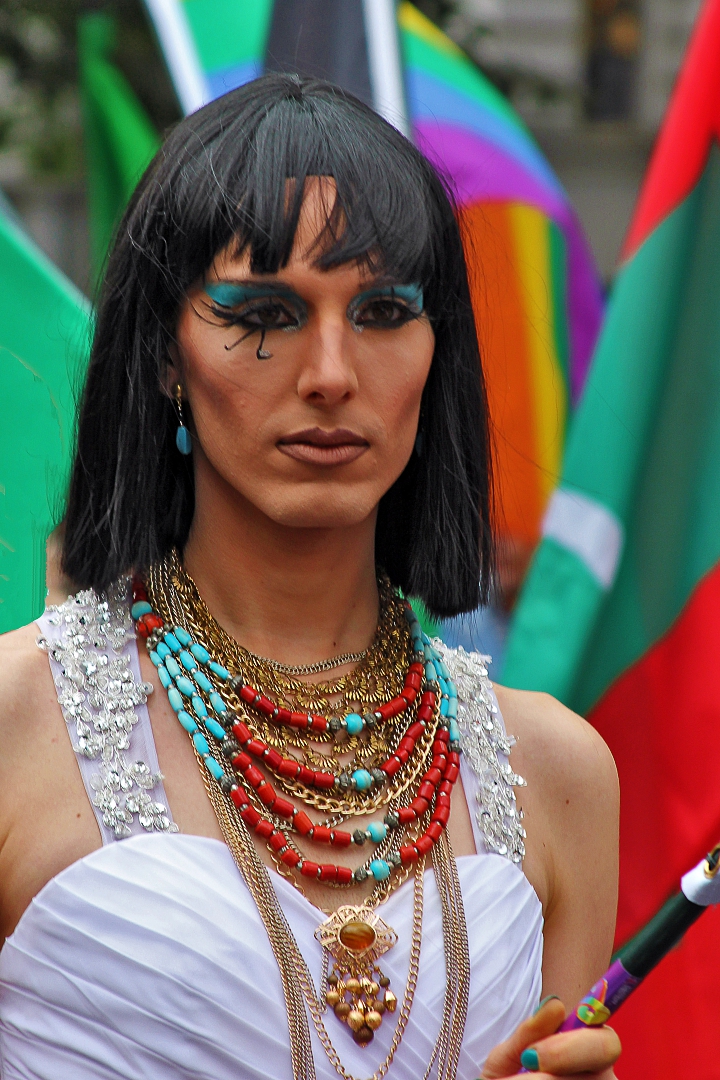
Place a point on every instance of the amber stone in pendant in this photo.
(363, 1035)
(356, 935)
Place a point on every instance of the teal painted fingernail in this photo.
(550, 997)
(529, 1060)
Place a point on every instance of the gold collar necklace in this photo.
(405, 760)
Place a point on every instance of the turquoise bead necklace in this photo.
(194, 681)
(417, 767)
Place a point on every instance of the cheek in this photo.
(230, 398)
(396, 385)
(223, 417)
(221, 404)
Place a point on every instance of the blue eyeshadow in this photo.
(228, 295)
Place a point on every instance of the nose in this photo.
(328, 375)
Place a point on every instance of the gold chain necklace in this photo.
(378, 677)
(355, 937)
(298, 987)
(313, 669)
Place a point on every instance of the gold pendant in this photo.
(358, 992)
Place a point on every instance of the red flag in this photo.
(661, 717)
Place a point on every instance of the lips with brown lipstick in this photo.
(315, 446)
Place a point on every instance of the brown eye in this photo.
(269, 316)
(383, 313)
(266, 313)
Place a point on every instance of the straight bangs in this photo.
(232, 177)
(241, 186)
(380, 213)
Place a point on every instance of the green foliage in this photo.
(40, 121)
(120, 140)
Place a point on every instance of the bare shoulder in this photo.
(559, 750)
(20, 647)
(25, 679)
(571, 815)
(38, 769)
(29, 710)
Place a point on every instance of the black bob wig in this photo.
(220, 178)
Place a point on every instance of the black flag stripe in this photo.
(324, 38)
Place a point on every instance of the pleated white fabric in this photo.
(148, 960)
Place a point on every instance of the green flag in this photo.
(635, 524)
(620, 615)
(119, 138)
(44, 329)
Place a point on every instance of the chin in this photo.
(323, 510)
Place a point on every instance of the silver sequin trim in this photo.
(485, 746)
(98, 695)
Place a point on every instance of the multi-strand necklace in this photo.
(258, 730)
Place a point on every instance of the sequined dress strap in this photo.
(488, 778)
(94, 662)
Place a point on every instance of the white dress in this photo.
(148, 960)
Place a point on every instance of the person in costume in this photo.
(288, 834)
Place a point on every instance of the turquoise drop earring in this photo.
(182, 435)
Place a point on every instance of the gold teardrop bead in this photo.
(356, 1019)
(390, 1001)
(372, 988)
(373, 1019)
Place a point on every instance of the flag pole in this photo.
(699, 889)
(385, 63)
(178, 46)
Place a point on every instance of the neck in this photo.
(296, 595)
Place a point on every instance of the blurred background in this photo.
(590, 77)
(603, 382)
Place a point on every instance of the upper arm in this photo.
(571, 808)
(22, 671)
(46, 821)
(22, 667)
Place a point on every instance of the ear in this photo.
(172, 374)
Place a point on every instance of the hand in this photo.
(585, 1054)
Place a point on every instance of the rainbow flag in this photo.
(620, 614)
(535, 290)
